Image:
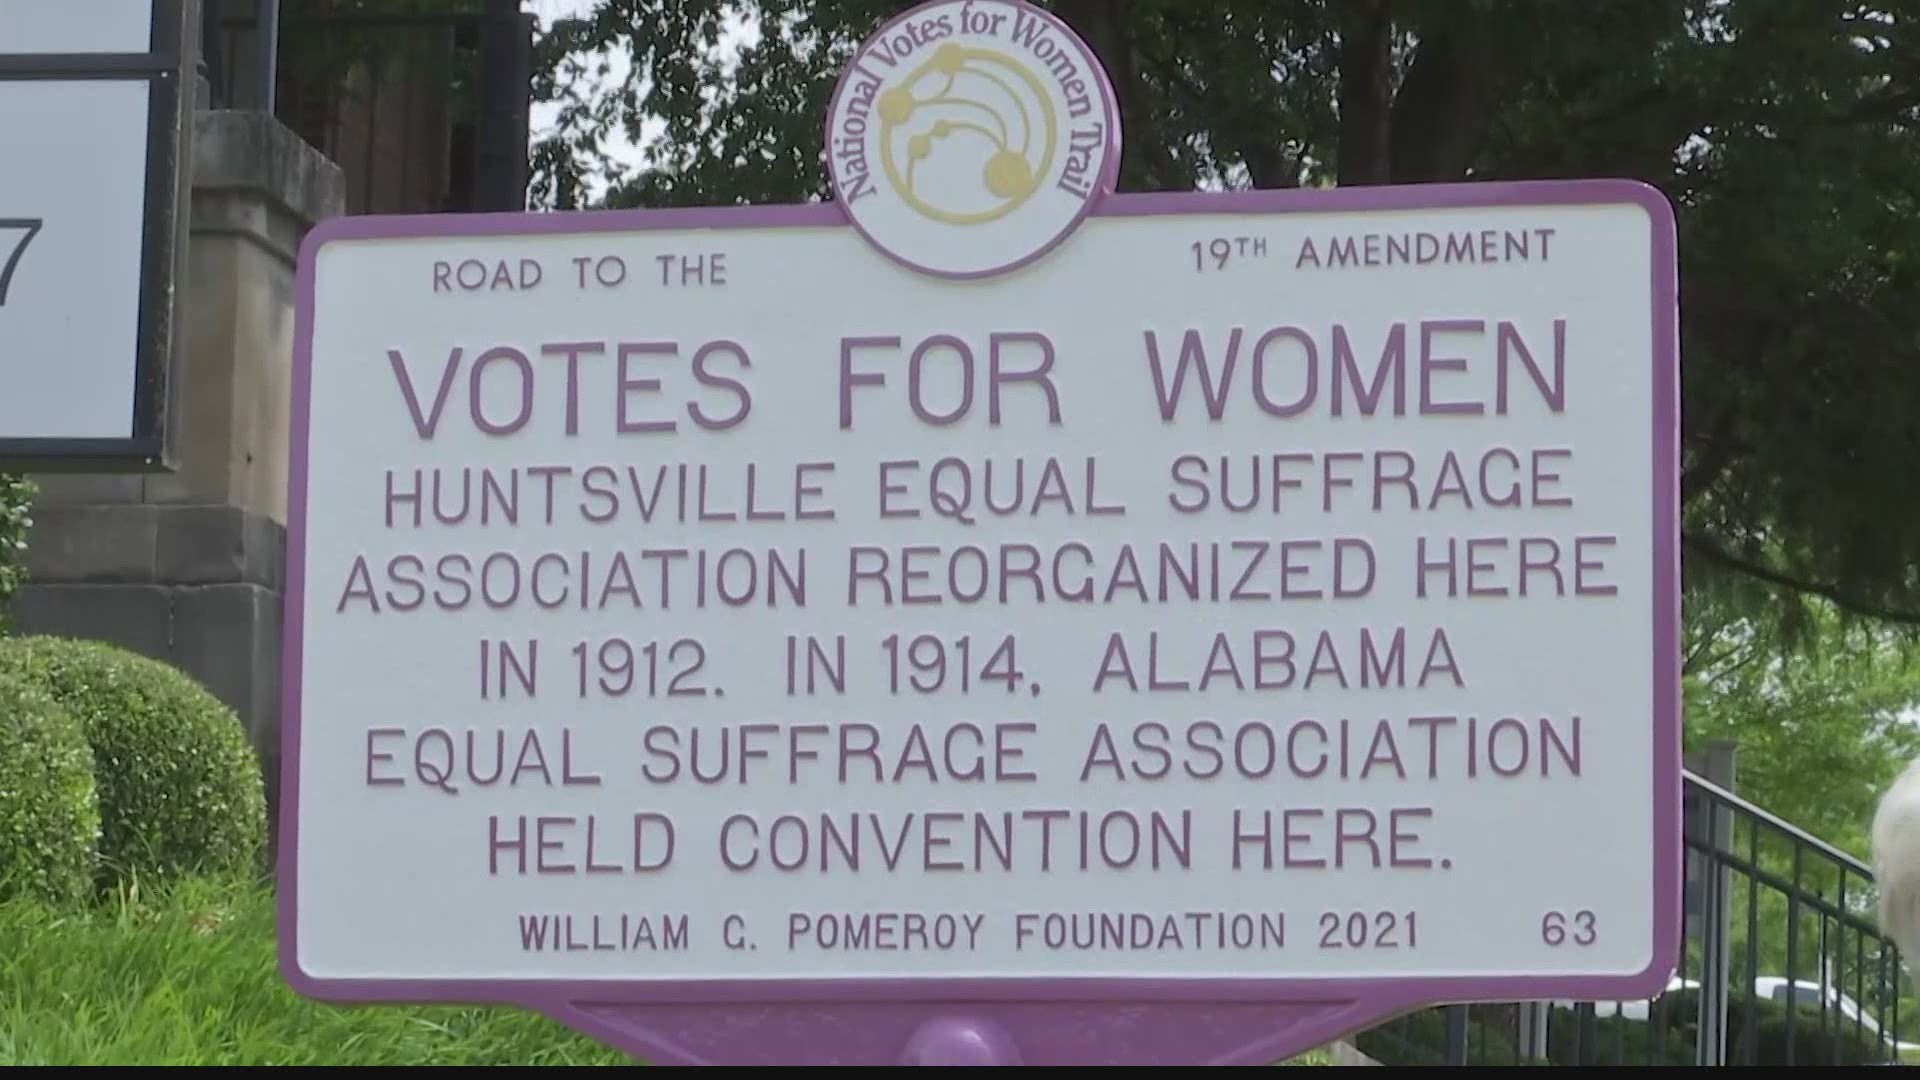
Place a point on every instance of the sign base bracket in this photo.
(965, 1033)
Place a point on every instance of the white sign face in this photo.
(72, 243)
(1267, 587)
(64, 26)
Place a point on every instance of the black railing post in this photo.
(1892, 982)
(1833, 957)
(1716, 911)
(1793, 948)
(1456, 1034)
(1859, 986)
(1530, 1036)
(506, 95)
(1750, 1032)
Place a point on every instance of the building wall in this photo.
(188, 567)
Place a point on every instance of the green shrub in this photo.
(16, 504)
(49, 818)
(180, 789)
(1420, 1038)
(1815, 1041)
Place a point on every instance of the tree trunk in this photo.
(1145, 164)
(1366, 71)
(1442, 110)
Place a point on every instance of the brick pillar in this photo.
(187, 567)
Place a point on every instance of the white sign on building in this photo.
(92, 122)
(988, 586)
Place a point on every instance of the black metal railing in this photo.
(424, 104)
(1782, 964)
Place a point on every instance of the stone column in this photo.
(187, 567)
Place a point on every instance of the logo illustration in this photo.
(969, 137)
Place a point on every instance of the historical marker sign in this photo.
(988, 616)
(93, 122)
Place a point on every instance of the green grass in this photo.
(190, 977)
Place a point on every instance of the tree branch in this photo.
(1694, 664)
(1270, 166)
(1713, 462)
(1689, 660)
(1713, 552)
(1717, 450)
(1885, 105)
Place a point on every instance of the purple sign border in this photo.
(956, 1020)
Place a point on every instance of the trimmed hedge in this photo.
(180, 790)
(16, 521)
(49, 816)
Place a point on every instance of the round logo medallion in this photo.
(969, 137)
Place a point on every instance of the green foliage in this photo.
(16, 507)
(49, 818)
(1420, 1038)
(1822, 726)
(180, 789)
(1786, 134)
(1823, 719)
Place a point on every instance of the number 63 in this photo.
(1559, 927)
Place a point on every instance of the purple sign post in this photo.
(987, 618)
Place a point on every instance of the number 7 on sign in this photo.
(29, 227)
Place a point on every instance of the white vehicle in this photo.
(1775, 988)
(1632, 1010)
(1780, 990)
